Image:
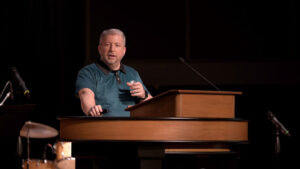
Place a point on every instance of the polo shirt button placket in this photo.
(118, 77)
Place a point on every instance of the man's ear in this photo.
(99, 47)
(124, 50)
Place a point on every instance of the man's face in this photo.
(112, 49)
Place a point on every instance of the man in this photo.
(108, 87)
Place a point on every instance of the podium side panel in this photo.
(208, 106)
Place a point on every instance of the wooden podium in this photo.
(188, 103)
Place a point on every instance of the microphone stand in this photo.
(6, 97)
(277, 149)
(9, 94)
(279, 129)
(28, 149)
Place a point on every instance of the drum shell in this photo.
(66, 163)
(63, 150)
(38, 164)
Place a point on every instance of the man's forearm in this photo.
(87, 100)
(86, 107)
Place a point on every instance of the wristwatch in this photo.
(146, 95)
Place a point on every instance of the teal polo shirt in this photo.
(109, 87)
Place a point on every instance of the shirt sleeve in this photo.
(85, 79)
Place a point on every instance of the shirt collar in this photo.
(104, 68)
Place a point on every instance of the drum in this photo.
(38, 164)
(66, 163)
(63, 150)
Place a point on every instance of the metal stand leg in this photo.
(28, 149)
(277, 149)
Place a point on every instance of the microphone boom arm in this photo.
(199, 74)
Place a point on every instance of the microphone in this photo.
(16, 76)
(198, 73)
(277, 123)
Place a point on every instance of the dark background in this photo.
(249, 46)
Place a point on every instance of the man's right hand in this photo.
(95, 111)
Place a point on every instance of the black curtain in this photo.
(44, 40)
